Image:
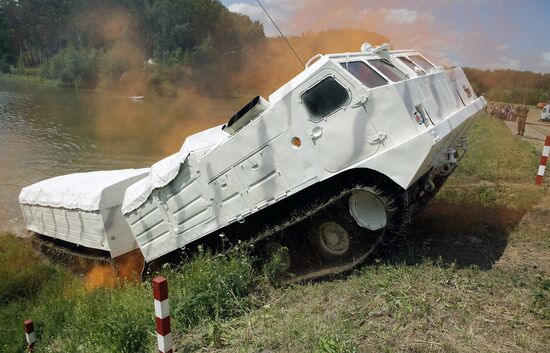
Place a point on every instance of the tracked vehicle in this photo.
(330, 165)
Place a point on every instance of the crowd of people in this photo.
(511, 113)
(503, 112)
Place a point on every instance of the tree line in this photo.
(510, 86)
(108, 43)
(83, 43)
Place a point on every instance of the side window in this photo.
(389, 70)
(365, 74)
(420, 61)
(324, 98)
(410, 64)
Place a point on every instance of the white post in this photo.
(162, 313)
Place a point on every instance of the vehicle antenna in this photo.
(286, 40)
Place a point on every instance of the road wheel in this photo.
(333, 238)
(336, 236)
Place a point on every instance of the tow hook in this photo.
(464, 143)
(451, 156)
(429, 185)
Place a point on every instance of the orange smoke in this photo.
(100, 276)
(159, 126)
(125, 268)
(117, 32)
(129, 266)
(273, 64)
(108, 26)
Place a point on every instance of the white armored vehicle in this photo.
(330, 165)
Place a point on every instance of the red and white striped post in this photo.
(162, 313)
(29, 334)
(543, 161)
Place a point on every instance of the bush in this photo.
(111, 320)
(118, 60)
(17, 71)
(29, 288)
(159, 81)
(4, 64)
(21, 273)
(32, 71)
(210, 288)
(73, 67)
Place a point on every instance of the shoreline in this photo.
(28, 79)
(180, 91)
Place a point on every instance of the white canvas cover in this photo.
(85, 191)
(165, 170)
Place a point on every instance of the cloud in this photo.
(404, 16)
(255, 12)
(431, 26)
(505, 62)
(545, 59)
(462, 2)
(287, 4)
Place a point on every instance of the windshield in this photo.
(412, 65)
(420, 61)
(364, 73)
(388, 70)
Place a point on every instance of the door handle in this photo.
(316, 133)
(360, 102)
(378, 138)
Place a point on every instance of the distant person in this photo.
(521, 113)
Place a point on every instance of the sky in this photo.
(488, 34)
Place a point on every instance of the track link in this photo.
(64, 254)
(296, 232)
(82, 260)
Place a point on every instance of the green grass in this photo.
(498, 170)
(69, 318)
(28, 78)
(19, 277)
(394, 307)
(497, 155)
(472, 275)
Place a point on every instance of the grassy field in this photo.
(473, 274)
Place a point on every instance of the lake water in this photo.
(47, 131)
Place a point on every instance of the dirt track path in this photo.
(535, 131)
(530, 244)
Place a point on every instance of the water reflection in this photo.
(47, 131)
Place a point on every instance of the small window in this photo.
(388, 69)
(420, 61)
(364, 73)
(325, 97)
(410, 64)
